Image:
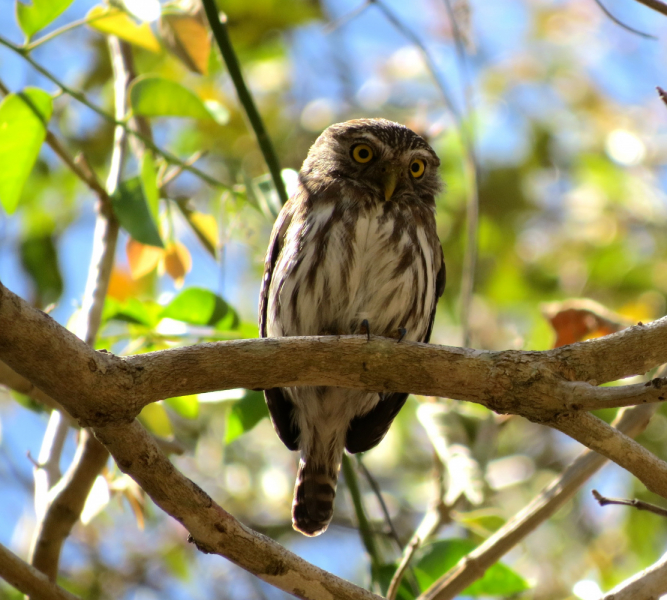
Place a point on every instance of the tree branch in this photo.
(29, 580)
(656, 5)
(471, 568)
(212, 529)
(99, 388)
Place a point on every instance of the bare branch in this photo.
(66, 501)
(98, 387)
(212, 529)
(638, 504)
(472, 567)
(29, 580)
(620, 23)
(656, 5)
(649, 584)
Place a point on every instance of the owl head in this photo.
(376, 158)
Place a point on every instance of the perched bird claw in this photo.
(402, 332)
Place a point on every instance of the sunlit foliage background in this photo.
(571, 139)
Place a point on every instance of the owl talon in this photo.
(402, 332)
(366, 328)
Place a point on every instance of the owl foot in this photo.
(366, 328)
(402, 332)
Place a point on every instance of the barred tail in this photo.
(314, 495)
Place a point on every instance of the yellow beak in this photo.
(389, 180)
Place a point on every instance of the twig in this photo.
(662, 94)
(175, 172)
(364, 526)
(346, 18)
(65, 28)
(218, 25)
(47, 466)
(656, 5)
(470, 168)
(82, 98)
(638, 504)
(378, 494)
(436, 516)
(472, 567)
(604, 9)
(29, 580)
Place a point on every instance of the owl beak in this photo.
(389, 180)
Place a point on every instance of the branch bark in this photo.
(29, 580)
(471, 568)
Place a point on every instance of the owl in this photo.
(354, 250)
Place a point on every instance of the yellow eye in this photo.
(362, 153)
(417, 168)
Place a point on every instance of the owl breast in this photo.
(343, 263)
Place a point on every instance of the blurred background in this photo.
(570, 138)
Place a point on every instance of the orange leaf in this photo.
(579, 319)
(142, 258)
(177, 262)
(122, 286)
(188, 38)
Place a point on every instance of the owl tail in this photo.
(314, 495)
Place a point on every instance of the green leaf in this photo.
(244, 415)
(152, 96)
(22, 133)
(149, 185)
(131, 208)
(36, 16)
(197, 306)
(132, 310)
(186, 406)
(39, 258)
(437, 558)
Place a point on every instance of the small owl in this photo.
(354, 250)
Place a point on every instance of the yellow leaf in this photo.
(188, 38)
(115, 22)
(205, 227)
(142, 258)
(156, 420)
(177, 262)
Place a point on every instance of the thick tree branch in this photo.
(472, 567)
(98, 388)
(29, 580)
(212, 529)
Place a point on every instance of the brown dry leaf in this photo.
(187, 37)
(579, 318)
(177, 262)
(142, 258)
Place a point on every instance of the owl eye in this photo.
(362, 153)
(417, 168)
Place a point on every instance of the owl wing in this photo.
(366, 432)
(280, 406)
